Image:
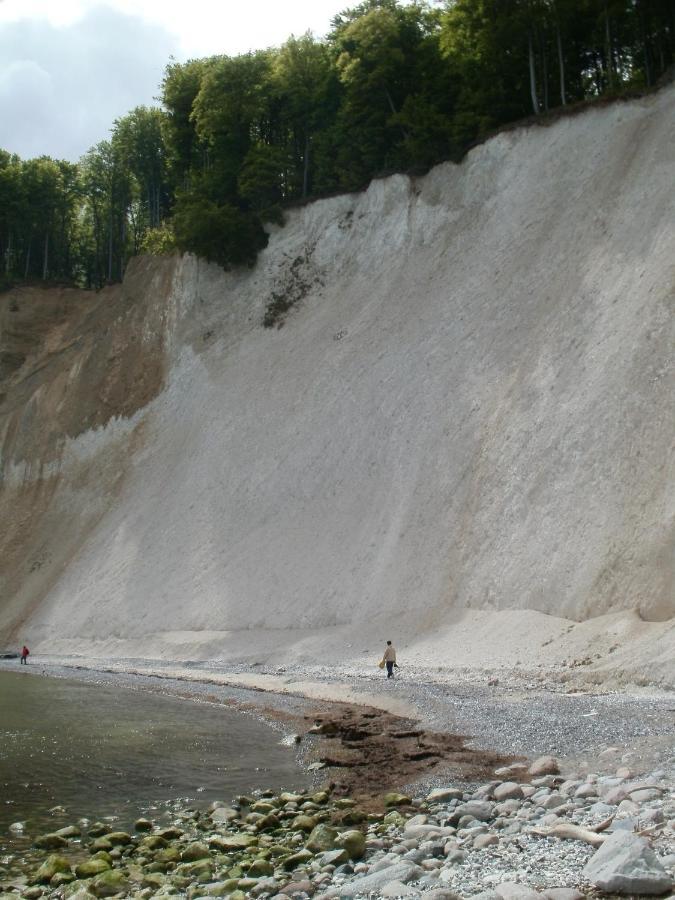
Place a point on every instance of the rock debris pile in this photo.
(528, 834)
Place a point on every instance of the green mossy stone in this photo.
(153, 880)
(287, 797)
(119, 838)
(245, 884)
(195, 851)
(354, 842)
(298, 859)
(263, 806)
(233, 842)
(177, 883)
(168, 855)
(322, 838)
(238, 895)
(109, 883)
(153, 842)
(50, 842)
(61, 878)
(92, 867)
(352, 817)
(172, 833)
(268, 823)
(100, 843)
(394, 799)
(53, 864)
(261, 868)
(394, 818)
(224, 814)
(97, 829)
(32, 893)
(103, 854)
(143, 825)
(344, 803)
(320, 797)
(304, 823)
(70, 831)
(278, 850)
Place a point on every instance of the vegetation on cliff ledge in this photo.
(392, 87)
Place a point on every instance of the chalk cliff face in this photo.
(469, 407)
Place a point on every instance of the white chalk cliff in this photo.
(462, 434)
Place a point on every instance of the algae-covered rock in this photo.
(70, 831)
(304, 823)
(263, 806)
(354, 842)
(172, 833)
(394, 818)
(53, 864)
(61, 878)
(268, 823)
(260, 868)
(168, 855)
(97, 829)
(109, 883)
(119, 838)
(395, 799)
(92, 867)
(287, 797)
(223, 814)
(153, 880)
(194, 851)
(228, 842)
(153, 842)
(50, 842)
(322, 838)
(298, 859)
(142, 825)
(320, 797)
(344, 803)
(100, 843)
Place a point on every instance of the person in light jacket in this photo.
(390, 659)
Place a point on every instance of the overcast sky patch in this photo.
(61, 88)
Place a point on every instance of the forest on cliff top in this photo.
(392, 87)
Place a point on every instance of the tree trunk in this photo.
(544, 68)
(608, 52)
(305, 172)
(27, 269)
(110, 245)
(561, 64)
(533, 75)
(8, 254)
(45, 261)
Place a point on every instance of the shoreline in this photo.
(485, 833)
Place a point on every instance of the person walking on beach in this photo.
(390, 659)
(24, 655)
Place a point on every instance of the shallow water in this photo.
(104, 751)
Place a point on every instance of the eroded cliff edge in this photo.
(463, 428)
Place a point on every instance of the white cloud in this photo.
(62, 87)
(69, 68)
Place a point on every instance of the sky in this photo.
(69, 68)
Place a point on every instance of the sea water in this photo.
(108, 752)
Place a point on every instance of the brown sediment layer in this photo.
(367, 752)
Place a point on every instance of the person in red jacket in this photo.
(24, 655)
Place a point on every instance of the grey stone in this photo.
(508, 790)
(563, 894)
(544, 765)
(645, 795)
(482, 810)
(374, 882)
(511, 890)
(398, 889)
(441, 795)
(626, 864)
